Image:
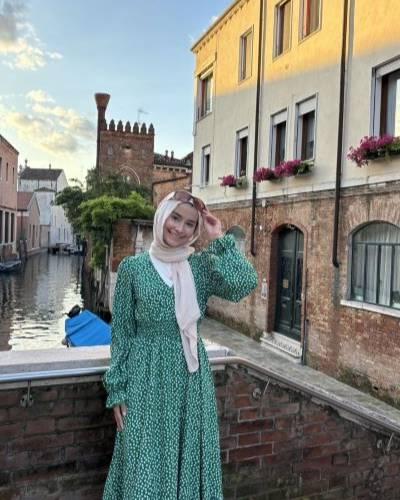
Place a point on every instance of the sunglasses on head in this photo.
(186, 197)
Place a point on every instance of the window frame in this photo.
(310, 104)
(351, 295)
(302, 36)
(276, 119)
(378, 73)
(242, 55)
(277, 29)
(205, 151)
(240, 135)
(202, 109)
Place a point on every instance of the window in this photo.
(283, 15)
(205, 165)
(13, 175)
(310, 16)
(246, 55)
(241, 152)
(305, 129)
(1, 226)
(6, 226)
(278, 138)
(376, 265)
(205, 95)
(6, 172)
(386, 99)
(12, 227)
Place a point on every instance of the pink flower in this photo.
(369, 146)
(228, 180)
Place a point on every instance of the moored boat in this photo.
(10, 265)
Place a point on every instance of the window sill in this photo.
(307, 37)
(204, 116)
(371, 308)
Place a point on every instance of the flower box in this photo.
(374, 148)
(236, 182)
(291, 168)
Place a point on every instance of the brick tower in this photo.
(128, 151)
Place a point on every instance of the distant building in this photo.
(129, 151)
(55, 230)
(32, 179)
(28, 222)
(8, 198)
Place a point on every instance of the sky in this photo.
(55, 55)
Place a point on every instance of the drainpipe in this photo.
(339, 162)
(256, 127)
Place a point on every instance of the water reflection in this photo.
(34, 300)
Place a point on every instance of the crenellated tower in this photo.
(126, 150)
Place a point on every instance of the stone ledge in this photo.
(48, 360)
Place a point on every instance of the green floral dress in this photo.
(169, 447)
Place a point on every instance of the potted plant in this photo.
(371, 148)
(288, 168)
(232, 181)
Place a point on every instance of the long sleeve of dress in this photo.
(231, 275)
(123, 329)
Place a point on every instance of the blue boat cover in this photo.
(87, 329)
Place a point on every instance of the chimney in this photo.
(101, 103)
(166, 153)
(49, 166)
(172, 155)
(26, 162)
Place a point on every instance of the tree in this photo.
(107, 199)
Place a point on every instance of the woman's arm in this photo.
(230, 274)
(123, 329)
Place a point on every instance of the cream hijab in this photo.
(187, 309)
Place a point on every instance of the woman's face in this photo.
(180, 225)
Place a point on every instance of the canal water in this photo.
(34, 300)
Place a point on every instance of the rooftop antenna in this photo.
(140, 112)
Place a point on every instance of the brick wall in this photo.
(172, 182)
(127, 153)
(276, 443)
(361, 345)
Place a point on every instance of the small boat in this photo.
(10, 265)
(83, 328)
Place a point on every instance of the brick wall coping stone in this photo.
(351, 403)
(37, 361)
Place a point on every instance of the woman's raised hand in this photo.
(212, 225)
(119, 415)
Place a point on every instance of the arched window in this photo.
(376, 265)
(240, 237)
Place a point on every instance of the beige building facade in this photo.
(283, 91)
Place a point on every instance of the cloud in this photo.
(20, 47)
(47, 126)
(39, 96)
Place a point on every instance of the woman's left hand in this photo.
(212, 225)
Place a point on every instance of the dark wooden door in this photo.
(289, 285)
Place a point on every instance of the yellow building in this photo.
(283, 90)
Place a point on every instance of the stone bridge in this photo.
(287, 431)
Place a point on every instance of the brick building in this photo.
(129, 151)
(306, 82)
(8, 198)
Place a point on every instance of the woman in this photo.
(159, 383)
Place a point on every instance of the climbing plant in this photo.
(97, 217)
(92, 212)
